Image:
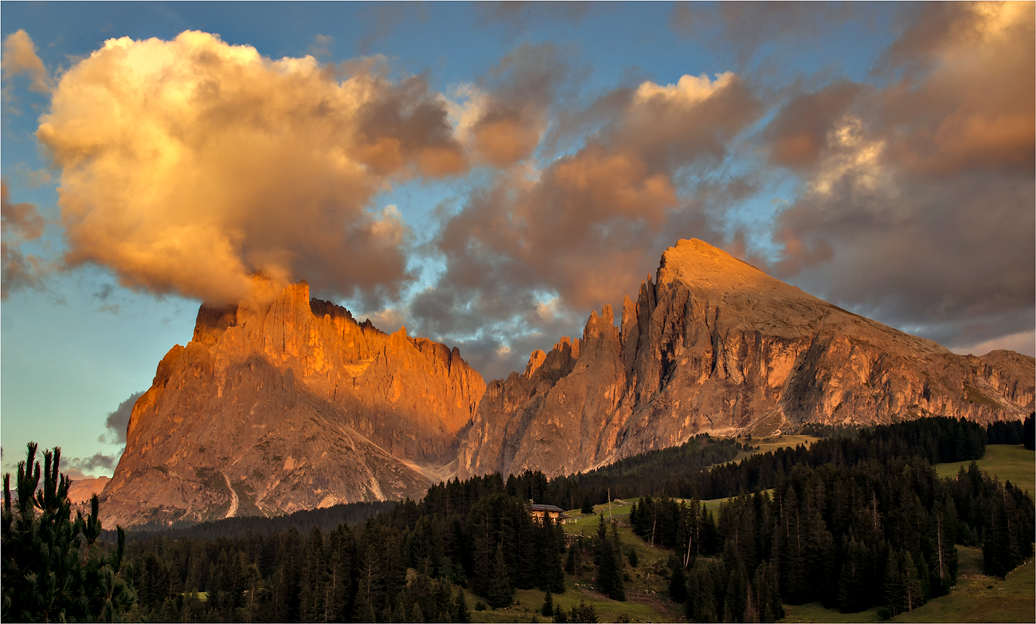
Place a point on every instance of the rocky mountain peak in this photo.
(715, 345)
(698, 263)
(290, 405)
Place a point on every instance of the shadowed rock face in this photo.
(715, 345)
(292, 406)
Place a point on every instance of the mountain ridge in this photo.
(715, 345)
(293, 405)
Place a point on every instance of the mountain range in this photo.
(295, 405)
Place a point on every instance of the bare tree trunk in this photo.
(942, 566)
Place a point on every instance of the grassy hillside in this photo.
(1012, 463)
(766, 445)
(647, 587)
(978, 598)
(815, 612)
(975, 598)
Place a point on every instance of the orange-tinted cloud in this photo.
(975, 107)
(20, 58)
(799, 132)
(917, 198)
(584, 230)
(672, 125)
(189, 165)
(505, 117)
(21, 223)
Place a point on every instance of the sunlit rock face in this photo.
(82, 490)
(714, 345)
(294, 405)
(286, 406)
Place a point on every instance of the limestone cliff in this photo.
(715, 345)
(290, 406)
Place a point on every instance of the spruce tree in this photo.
(582, 612)
(892, 589)
(460, 608)
(574, 559)
(501, 592)
(609, 573)
(548, 605)
(912, 589)
(701, 606)
(677, 581)
(551, 575)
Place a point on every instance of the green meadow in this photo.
(1012, 463)
(647, 585)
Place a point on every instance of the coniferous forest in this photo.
(857, 520)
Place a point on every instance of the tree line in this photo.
(853, 521)
(869, 527)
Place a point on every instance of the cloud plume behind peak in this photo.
(190, 165)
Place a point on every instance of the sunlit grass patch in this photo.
(815, 612)
(1009, 462)
(983, 600)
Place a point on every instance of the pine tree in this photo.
(483, 559)
(552, 577)
(528, 537)
(313, 581)
(415, 613)
(50, 571)
(1029, 432)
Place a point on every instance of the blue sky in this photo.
(489, 173)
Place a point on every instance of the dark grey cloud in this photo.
(917, 200)
(98, 461)
(744, 27)
(117, 421)
(382, 18)
(514, 17)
